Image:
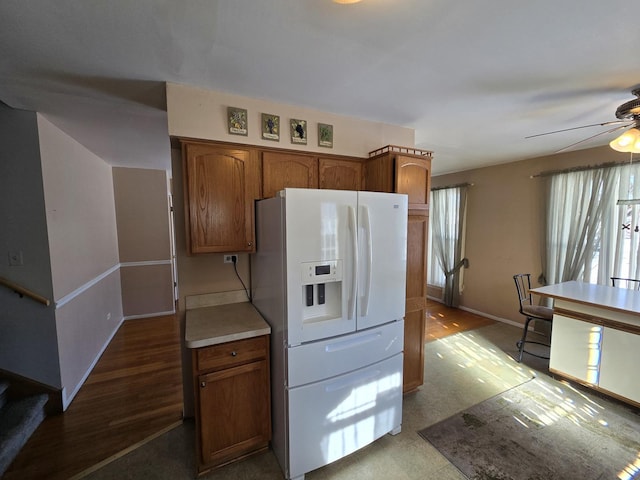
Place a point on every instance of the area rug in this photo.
(542, 430)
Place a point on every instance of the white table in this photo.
(595, 337)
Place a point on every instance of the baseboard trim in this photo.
(148, 315)
(492, 317)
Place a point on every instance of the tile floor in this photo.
(460, 371)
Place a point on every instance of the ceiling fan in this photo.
(628, 114)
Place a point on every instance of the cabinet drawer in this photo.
(229, 354)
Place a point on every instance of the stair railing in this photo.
(22, 291)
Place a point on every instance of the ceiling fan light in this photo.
(629, 141)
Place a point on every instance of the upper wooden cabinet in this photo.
(220, 184)
(341, 174)
(413, 177)
(286, 170)
(400, 170)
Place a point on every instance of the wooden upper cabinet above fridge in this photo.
(286, 170)
(341, 174)
(400, 170)
(221, 184)
(413, 177)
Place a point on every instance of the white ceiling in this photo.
(473, 78)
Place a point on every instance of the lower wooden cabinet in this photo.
(416, 299)
(413, 370)
(233, 407)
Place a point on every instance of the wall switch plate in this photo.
(15, 258)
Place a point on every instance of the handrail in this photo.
(24, 291)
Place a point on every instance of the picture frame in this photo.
(237, 121)
(271, 127)
(298, 131)
(325, 135)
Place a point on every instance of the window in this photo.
(446, 240)
(589, 237)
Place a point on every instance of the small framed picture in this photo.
(237, 120)
(271, 127)
(325, 135)
(299, 131)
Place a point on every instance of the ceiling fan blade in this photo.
(604, 124)
(620, 127)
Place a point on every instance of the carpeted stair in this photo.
(19, 418)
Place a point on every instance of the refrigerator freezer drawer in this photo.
(333, 418)
(327, 358)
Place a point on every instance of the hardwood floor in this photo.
(443, 321)
(133, 393)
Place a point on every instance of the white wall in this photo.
(82, 233)
(28, 344)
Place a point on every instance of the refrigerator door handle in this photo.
(351, 343)
(366, 220)
(353, 381)
(354, 274)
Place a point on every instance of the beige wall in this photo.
(197, 113)
(144, 242)
(505, 226)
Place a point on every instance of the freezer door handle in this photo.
(366, 220)
(354, 274)
(352, 380)
(334, 347)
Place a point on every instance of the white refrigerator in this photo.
(329, 276)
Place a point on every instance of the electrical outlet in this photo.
(231, 259)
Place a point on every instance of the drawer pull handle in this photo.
(234, 353)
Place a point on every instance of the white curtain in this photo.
(588, 236)
(447, 218)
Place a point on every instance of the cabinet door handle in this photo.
(234, 353)
(249, 244)
(203, 384)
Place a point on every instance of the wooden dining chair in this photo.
(629, 283)
(531, 312)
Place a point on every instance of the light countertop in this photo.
(212, 325)
(604, 296)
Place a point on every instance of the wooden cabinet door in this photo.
(234, 412)
(282, 170)
(413, 177)
(416, 300)
(221, 185)
(339, 174)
